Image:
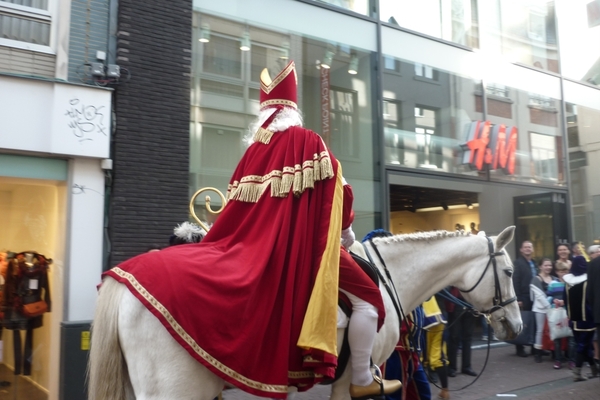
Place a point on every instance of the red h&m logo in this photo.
(494, 146)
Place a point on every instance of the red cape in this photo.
(267, 270)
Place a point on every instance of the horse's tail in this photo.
(107, 371)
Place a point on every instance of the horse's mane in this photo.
(421, 236)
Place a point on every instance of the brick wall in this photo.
(151, 143)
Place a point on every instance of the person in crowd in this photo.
(404, 364)
(461, 326)
(593, 252)
(593, 291)
(555, 294)
(289, 179)
(185, 233)
(485, 327)
(525, 270)
(563, 252)
(538, 287)
(435, 349)
(579, 310)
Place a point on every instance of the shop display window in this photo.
(426, 116)
(335, 96)
(31, 254)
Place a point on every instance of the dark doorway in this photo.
(541, 219)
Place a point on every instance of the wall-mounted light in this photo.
(328, 60)
(205, 33)
(445, 206)
(353, 66)
(245, 42)
(469, 205)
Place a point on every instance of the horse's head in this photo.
(489, 286)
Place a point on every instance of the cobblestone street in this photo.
(505, 377)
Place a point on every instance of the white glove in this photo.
(348, 237)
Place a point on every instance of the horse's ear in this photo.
(505, 237)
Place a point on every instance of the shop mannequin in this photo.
(26, 282)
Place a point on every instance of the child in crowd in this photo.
(555, 294)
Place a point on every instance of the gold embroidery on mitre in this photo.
(265, 80)
(178, 329)
(275, 102)
(294, 179)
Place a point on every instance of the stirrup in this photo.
(378, 382)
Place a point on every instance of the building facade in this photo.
(444, 114)
(453, 114)
(55, 132)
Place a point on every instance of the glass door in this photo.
(541, 219)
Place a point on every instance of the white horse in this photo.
(134, 357)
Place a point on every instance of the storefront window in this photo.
(579, 34)
(334, 95)
(455, 21)
(583, 122)
(31, 253)
(427, 113)
(525, 139)
(522, 31)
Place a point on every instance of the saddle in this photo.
(346, 306)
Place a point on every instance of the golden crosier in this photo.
(207, 205)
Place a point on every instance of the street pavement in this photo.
(505, 377)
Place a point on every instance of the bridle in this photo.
(498, 303)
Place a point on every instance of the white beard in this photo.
(286, 118)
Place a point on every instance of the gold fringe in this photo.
(294, 179)
(326, 169)
(286, 184)
(298, 186)
(263, 136)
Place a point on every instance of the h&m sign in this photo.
(493, 146)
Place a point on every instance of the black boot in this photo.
(442, 373)
(537, 353)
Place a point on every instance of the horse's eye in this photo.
(508, 272)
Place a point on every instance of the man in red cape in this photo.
(256, 301)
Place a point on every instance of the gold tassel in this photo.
(297, 188)
(286, 183)
(309, 178)
(326, 168)
(316, 169)
(263, 136)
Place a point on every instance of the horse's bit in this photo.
(497, 301)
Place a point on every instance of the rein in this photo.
(498, 303)
(392, 292)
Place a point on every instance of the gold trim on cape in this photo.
(319, 329)
(263, 135)
(191, 342)
(294, 179)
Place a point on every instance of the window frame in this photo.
(35, 14)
